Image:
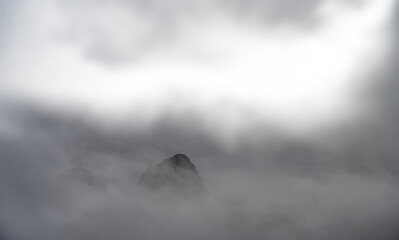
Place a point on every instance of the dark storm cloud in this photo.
(278, 188)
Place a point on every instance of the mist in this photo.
(288, 109)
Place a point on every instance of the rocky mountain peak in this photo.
(176, 173)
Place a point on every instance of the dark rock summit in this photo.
(176, 173)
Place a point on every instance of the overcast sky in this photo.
(288, 108)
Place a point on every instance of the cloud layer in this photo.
(125, 56)
(287, 108)
(289, 189)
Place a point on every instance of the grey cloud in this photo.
(343, 185)
(272, 12)
(142, 26)
(280, 188)
(373, 141)
(7, 20)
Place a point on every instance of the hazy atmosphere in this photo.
(287, 109)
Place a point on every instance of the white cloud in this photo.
(220, 66)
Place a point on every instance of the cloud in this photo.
(216, 65)
(284, 191)
(116, 32)
(61, 111)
